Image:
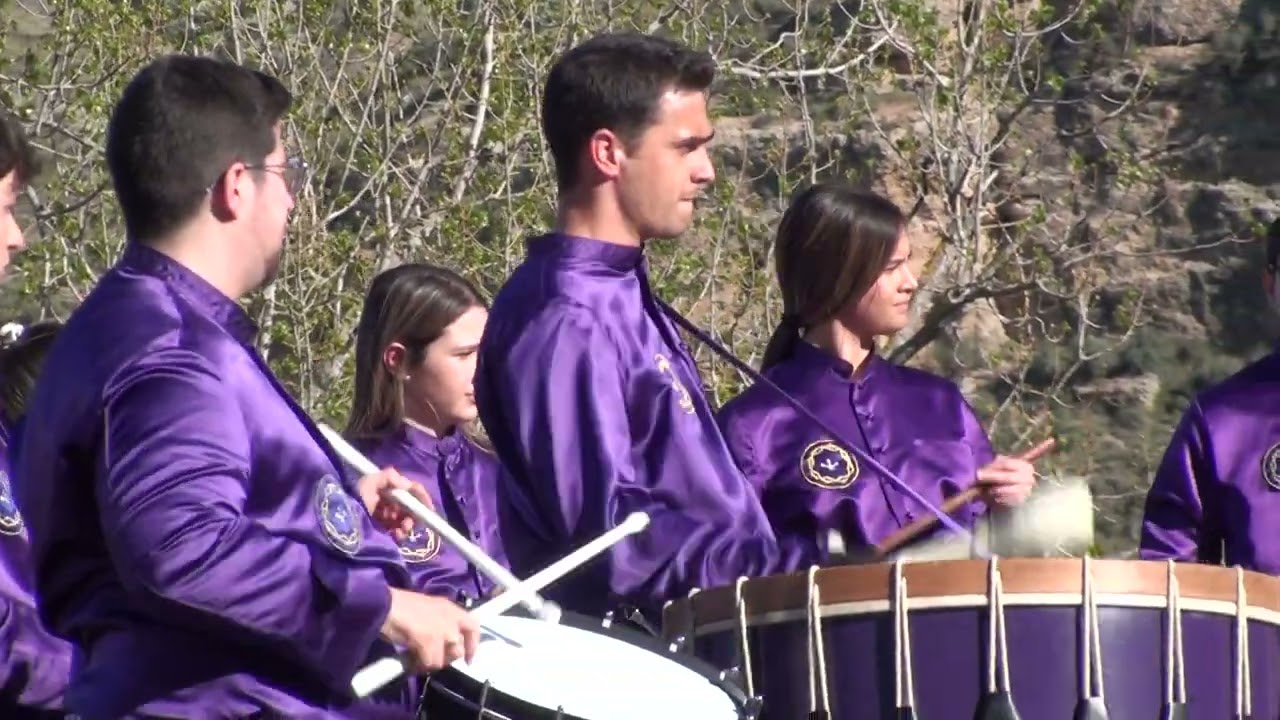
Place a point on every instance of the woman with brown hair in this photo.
(415, 410)
(842, 266)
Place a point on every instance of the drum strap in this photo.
(1093, 703)
(997, 642)
(1244, 684)
(997, 702)
(744, 640)
(819, 698)
(904, 686)
(1175, 681)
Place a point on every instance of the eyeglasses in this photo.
(294, 171)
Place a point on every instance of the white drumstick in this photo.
(380, 672)
(487, 565)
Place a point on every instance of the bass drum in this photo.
(1042, 639)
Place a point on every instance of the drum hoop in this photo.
(499, 705)
(965, 602)
(520, 708)
(864, 589)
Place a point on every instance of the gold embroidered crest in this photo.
(420, 545)
(664, 366)
(1271, 467)
(10, 518)
(339, 515)
(829, 466)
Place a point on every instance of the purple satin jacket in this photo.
(34, 665)
(1216, 495)
(191, 533)
(595, 406)
(462, 480)
(916, 424)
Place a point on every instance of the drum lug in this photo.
(732, 678)
(608, 620)
(633, 615)
(677, 644)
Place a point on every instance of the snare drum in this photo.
(580, 669)
(956, 640)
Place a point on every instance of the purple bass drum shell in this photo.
(946, 616)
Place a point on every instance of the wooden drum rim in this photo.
(866, 589)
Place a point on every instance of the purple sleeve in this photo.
(569, 415)
(975, 436)
(36, 667)
(171, 490)
(741, 448)
(1173, 522)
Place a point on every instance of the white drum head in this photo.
(590, 675)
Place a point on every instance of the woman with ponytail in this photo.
(841, 258)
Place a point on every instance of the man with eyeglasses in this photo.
(192, 533)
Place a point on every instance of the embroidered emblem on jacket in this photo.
(339, 515)
(10, 518)
(1271, 467)
(421, 545)
(827, 465)
(684, 399)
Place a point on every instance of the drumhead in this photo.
(593, 672)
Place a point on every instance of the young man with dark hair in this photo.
(191, 531)
(17, 166)
(587, 391)
(1216, 495)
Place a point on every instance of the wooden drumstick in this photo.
(952, 504)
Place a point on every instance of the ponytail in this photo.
(783, 341)
(20, 365)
